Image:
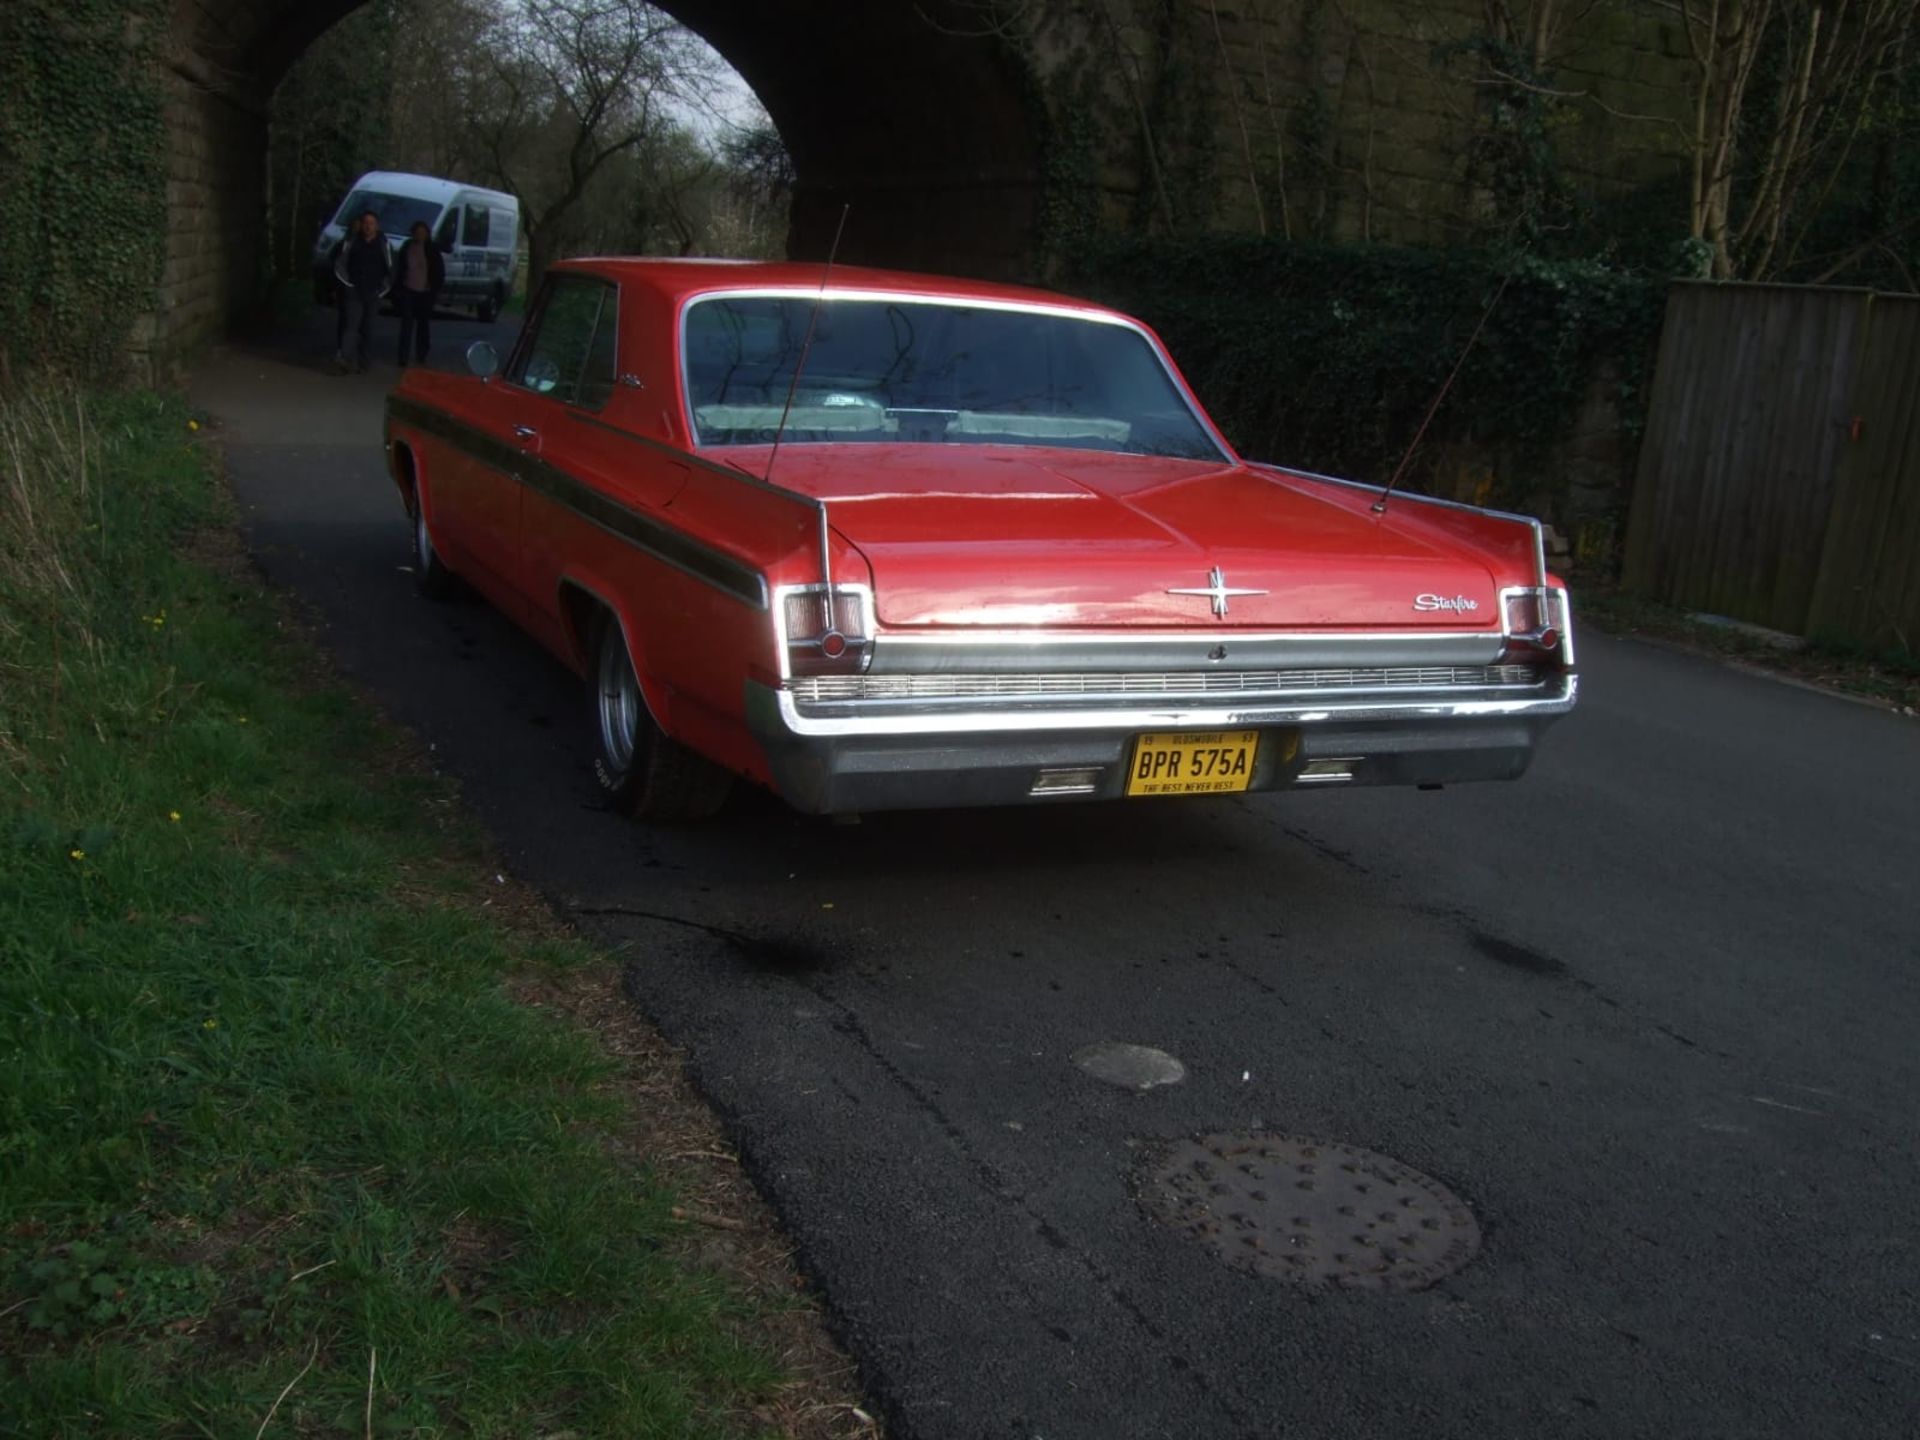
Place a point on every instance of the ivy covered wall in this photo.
(82, 143)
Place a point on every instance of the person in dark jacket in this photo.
(419, 273)
(363, 264)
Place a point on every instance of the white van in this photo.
(477, 230)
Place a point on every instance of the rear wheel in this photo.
(491, 306)
(641, 770)
(431, 577)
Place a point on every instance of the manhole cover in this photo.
(1312, 1212)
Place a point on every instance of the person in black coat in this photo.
(420, 273)
(363, 264)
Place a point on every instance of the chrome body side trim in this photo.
(643, 531)
(898, 652)
(1081, 687)
(1550, 700)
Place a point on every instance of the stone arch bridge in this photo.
(978, 136)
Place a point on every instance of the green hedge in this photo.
(1327, 356)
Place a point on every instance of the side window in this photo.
(478, 218)
(443, 237)
(562, 356)
(596, 380)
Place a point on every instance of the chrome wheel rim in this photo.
(619, 702)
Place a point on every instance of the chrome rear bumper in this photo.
(872, 751)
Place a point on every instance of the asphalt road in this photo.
(1654, 1011)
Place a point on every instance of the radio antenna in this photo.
(806, 344)
(1380, 505)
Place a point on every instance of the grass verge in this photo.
(279, 1151)
(1892, 679)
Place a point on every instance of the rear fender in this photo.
(583, 599)
(1513, 545)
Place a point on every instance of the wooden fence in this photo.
(1779, 477)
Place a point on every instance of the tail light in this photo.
(1536, 622)
(827, 630)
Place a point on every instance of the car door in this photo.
(493, 483)
(552, 369)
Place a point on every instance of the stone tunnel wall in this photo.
(1345, 119)
(1355, 119)
(215, 170)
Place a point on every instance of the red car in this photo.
(880, 540)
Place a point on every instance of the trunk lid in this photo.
(1008, 536)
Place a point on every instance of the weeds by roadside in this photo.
(1892, 679)
(278, 1150)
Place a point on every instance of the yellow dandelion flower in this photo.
(174, 816)
(209, 1024)
(193, 424)
(243, 719)
(76, 854)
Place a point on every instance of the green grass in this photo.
(264, 1100)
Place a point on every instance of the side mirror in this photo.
(482, 359)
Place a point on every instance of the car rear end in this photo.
(870, 719)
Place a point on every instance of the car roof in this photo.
(678, 278)
(401, 182)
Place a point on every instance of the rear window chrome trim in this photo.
(830, 292)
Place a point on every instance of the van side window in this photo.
(475, 233)
(563, 357)
(443, 237)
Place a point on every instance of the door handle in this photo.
(525, 432)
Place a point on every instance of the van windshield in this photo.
(397, 212)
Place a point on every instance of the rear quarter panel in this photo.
(1509, 545)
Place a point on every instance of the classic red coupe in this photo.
(881, 541)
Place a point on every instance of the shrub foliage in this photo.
(1327, 356)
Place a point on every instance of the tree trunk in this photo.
(540, 254)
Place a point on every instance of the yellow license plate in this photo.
(1209, 762)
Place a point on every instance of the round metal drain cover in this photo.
(1312, 1212)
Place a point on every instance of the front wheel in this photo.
(491, 306)
(641, 770)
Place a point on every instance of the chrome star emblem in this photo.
(1217, 590)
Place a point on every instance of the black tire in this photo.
(431, 577)
(640, 770)
(491, 306)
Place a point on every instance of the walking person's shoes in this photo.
(339, 365)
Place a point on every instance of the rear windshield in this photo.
(397, 212)
(930, 372)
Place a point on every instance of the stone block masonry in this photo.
(1341, 119)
